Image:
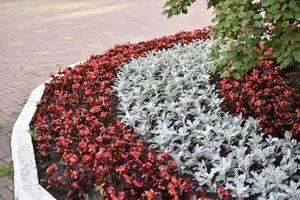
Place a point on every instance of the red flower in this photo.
(257, 103)
(74, 175)
(225, 194)
(51, 169)
(283, 103)
(263, 95)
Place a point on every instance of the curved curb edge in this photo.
(26, 183)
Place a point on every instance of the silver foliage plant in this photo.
(168, 98)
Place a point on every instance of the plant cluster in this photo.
(263, 94)
(81, 145)
(169, 100)
(176, 7)
(7, 169)
(128, 167)
(250, 23)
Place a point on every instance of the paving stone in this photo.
(39, 37)
(5, 193)
(5, 181)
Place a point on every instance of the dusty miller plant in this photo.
(169, 100)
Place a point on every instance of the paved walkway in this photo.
(39, 37)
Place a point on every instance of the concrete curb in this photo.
(26, 183)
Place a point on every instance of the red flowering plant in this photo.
(264, 95)
(82, 145)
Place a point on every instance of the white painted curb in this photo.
(26, 184)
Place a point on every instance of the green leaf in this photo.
(293, 4)
(288, 15)
(100, 188)
(276, 54)
(242, 14)
(235, 28)
(268, 3)
(224, 73)
(227, 24)
(257, 16)
(236, 75)
(257, 24)
(280, 58)
(296, 54)
(277, 16)
(275, 7)
(244, 22)
(297, 15)
(286, 62)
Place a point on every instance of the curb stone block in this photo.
(26, 183)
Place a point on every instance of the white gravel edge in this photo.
(26, 183)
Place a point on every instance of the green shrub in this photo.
(244, 25)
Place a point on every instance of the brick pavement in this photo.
(39, 37)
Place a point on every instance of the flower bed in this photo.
(82, 146)
(177, 138)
